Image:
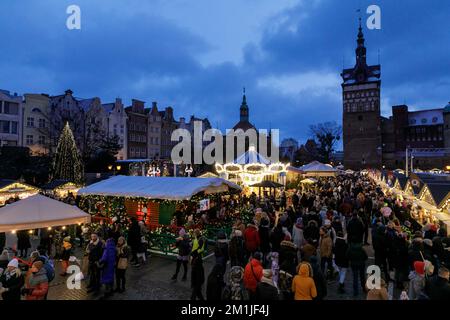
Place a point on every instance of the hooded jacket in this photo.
(252, 274)
(14, 281)
(326, 246)
(109, 261)
(38, 282)
(303, 284)
(251, 237)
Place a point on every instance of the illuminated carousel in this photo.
(251, 168)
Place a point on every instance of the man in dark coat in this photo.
(236, 249)
(264, 237)
(357, 257)
(438, 287)
(355, 229)
(2, 241)
(94, 251)
(276, 237)
(215, 284)
(134, 241)
(265, 289)
(197, 276)
(319, 279)
(380, 246)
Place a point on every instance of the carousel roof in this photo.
(251, 156)
(169, 188)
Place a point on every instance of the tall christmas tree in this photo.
(67, 162)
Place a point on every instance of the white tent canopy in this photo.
(308, 181)
(39, 211)
(169, 188)
(317, 166)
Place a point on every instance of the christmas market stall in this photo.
(157, 201)
(39, 211)
(60, 188)
(12, 189)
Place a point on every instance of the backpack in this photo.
(49, 268)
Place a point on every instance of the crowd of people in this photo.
(294, 247)
(321, 236)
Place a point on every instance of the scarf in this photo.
(10, 274)
(38, 278)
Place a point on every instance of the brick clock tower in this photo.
(361, 123)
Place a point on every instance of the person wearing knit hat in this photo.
(37, 284)
(12, 281)
(417, 280)
(266, 289)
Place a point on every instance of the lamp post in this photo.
(188, 170)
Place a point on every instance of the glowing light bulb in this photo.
(14, 231)
(64, 228)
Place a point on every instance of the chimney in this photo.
(68, 92)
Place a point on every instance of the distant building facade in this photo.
(11, 117)
(168, 125)
(154, 132)
(137, 130)
(36, 123)
(117, 125)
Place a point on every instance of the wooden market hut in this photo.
(60, 188)
(154, 199)
(15, 189)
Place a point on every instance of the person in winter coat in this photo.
(236, 250)
(184, 249)
(416, 251)
(340, 258)
(297, 236)
(319, 279)
(252, 274)
(274, 258)
(276, 236)
(37, 286)
(303, 284)
(235, 290)
(12, 281)
(108, 261)
(134, 241)
(266, 289)
(23, 243)
(357, 257)
(380, 246)
(417, 280)
(308, 251)
(378, 294)
(197, 276)
(4, 260)
(288, 256)
(326, 252)
(264, 236)
(215, 283)
(221, 250)
(312, 232)
(94, 251)
(252, 240)
(122, 254)
(65, 255)
(438, 287)
(2, 241)
(401, 265)
(355, 229)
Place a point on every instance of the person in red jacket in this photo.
(37, 285)
(253, 273)
(252, 241)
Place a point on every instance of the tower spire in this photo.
(244, 107)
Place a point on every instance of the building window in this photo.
(41, 140)
(14, 126)
(29, 139)
(30, 122)
(360, 118)
(11, 108)
(4, 126)
(424, 120)
(156, 140)
(41, 123)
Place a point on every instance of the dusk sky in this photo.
(196, 55)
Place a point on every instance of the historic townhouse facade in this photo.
(11, 119)
(117, 125)
(36, 123)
